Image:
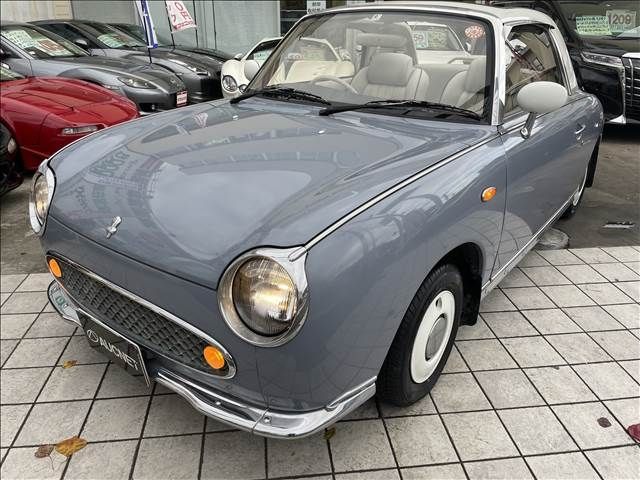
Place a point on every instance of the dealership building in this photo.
(229, 25)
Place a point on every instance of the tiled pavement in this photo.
(555, 354)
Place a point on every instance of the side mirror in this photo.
(540, 97)
(238, 56)
(81, 42)
(3, 54)
(251, 67)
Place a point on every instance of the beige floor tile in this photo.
(171, 415)
(8, 283)
(50, 325)
(440, 472)
(568, 296)
(420, 441)
(423, 406)
(508, 388)
(631, 289)
(605, 293)
(36, 352)
(516, 278)
(309, 455)
(551, 320)
(169, 457)
(118, 383)
(21, 464)
(22, 385)
(485, 355)
(528, 298)
(628, 315)
(547, 275)
(616, 463)
(578, 348)
(593, 318)
(620, 344)
(25, 302)
(564, 466)
(608, 380)
(632, 367)
(532, 259)
(455, 363)
(627, 411)
(80, 351)
(108, 461)
(616, 272)
(226, 456)
(11, 417)
(368, 475)
(457, 392)
(623, 254)
(14, 326)
(592, 255)
(581, 274)
(509, 324)
(507, 469)
(532, 352)
(582, 422)
(479, 435)
(52, 422)
(474, 332)
(361, 445)
(6, 349)
(559, 385)
(560, 257)
(116, 419)
(536, 430)
(36, 282)
(79, 382)
(496, 301)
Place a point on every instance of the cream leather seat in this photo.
(465, 89)
(391, 76)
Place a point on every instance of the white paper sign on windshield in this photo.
(594, 25)
(179, 16)
(21, 38)
(621, 20)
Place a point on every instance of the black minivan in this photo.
(603, 38)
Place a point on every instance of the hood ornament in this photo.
(113, 228)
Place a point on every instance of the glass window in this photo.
(110, 36)
(6, 75)
(530, 58)
(262, 51)
(373, 55)
(39, 44)
(603, 19)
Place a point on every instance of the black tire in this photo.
(395, 383)
(587, 182)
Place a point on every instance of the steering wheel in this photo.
(334, 79)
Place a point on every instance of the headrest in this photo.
(390, 69)
(385, 40)
(476, 76)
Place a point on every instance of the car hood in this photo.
(196, 187)
(119, 66)
(612, 46)
(53, 94)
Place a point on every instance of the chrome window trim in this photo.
(295, 267)
(160, 311)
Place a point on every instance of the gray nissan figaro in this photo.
(279, 258)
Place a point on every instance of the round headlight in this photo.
(41, 197)
(264, 296)
(229, 83)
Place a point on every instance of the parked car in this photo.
(233, 80)
(34, 51)
(200, 73)
(10, 175)
(45, 114)
(278, 258)
(167, 43)
(603, 39)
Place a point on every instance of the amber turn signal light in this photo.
(214, 357)
(488, 194)
(54, 268)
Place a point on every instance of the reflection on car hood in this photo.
(120, 65)
(53, 94)
(612, 46)
(196, 187)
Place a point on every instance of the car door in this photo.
(14, 60)
(547, 166)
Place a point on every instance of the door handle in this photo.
(580, 128)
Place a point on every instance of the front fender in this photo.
(363, 276)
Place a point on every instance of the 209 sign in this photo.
(179, 16)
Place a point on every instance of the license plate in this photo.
(119, 350)
(181, 98)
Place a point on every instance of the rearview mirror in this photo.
(251, 67)
(540, 97)
(238, 56)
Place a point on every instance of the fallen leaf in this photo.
(604, 422)
(43, 451)
(634, 431)
(70, 446)
(329, 432)
(69, 363)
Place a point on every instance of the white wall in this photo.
(111, 11)
(30, 10)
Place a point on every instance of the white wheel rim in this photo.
(432, 336)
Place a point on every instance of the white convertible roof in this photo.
(503, 15)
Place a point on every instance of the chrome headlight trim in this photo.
(295, 269)
(38, 224)
(603, 59)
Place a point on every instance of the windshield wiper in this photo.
(409, 104)
(284, 92)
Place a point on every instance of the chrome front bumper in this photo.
(234, 412)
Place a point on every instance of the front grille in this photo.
(632, 87)
(133, 320)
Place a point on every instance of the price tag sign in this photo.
(179, 16)
(621, 20)
(316, 5)
(594, 25)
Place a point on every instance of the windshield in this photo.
(262, 51)
(607, 19)
(137, 32)
(6, 75)
(366, 56)
(40, 44)
(112, 37)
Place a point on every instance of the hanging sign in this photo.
(179, 16)
(314, 6)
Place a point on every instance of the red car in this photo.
(45, 114)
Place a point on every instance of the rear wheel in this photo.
(424, 339)
(587, 181)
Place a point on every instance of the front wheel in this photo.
(424, 339)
